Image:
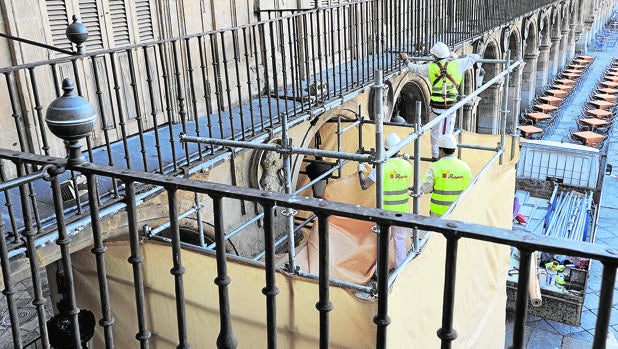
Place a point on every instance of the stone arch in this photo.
(489, 106)
(543, 57)
(531, 55)
(416, 89)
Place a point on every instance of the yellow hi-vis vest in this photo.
(451, 176)
(396, 181)
(445, 80)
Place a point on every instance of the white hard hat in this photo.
(447, 142)
(392, 140)
(440, 50)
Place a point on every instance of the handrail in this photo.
(34, 43)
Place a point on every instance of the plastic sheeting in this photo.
(415, 301)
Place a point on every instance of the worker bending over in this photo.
(396, 177)
(445, 76)
(446, 178)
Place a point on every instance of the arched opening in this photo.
(417, 89)
(489, 105)
(531, 55)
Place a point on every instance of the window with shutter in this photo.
(144, 20)
(90, 18)
(58, 22)
(120, 23)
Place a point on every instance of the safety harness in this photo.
(444, 92)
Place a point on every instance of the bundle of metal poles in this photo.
(569, 215)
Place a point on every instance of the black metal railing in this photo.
(453, 231)
(233, 83)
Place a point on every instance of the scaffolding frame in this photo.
(286, 149)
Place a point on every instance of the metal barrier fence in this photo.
(453, 231)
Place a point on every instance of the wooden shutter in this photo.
(120, 23)
(58, 23)
(144, 20)
(90, 18)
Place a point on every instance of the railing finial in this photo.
(71, 118)
(77, 33)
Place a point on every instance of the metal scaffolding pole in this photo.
(505, 102)
(378, 89)
(288, 212)
(417, 177)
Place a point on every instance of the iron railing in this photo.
(453, 231)
(233, 83)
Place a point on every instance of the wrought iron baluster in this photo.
(608, 281)
(382, 320)
(178, 270)
(153, 106)
(324, 305)
(120, 110)
(270, 290)
(29, 233)
(138, 108)
(447, 333)
(206, 86)
(9, 205)
(521, 303)
(284, 70)
(266, 71)
(228, 88)
(180, 97)
(17, 117)
(9, 291)
(216, 65)
(247, 49)
(257, 71)
(196, 118)
(168, 104)
(98, 250)
(63, 242)
(320, 86)
(241, 113)
(226, 338)
(104, 123)
(39, 113)
(136, 259)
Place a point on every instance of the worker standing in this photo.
(397, 173)
(445, 74)
(446, 178)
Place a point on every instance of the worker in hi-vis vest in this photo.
(397, 174)
(446, 178)
(445, 75)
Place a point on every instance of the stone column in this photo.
(554, 56)
(541, 68)
(489, 110)
(528, 78)
(571, 41)
(468, 121)
(564, 47)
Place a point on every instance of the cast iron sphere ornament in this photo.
(77, 33)
(71, 118)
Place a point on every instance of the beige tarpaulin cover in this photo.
(415, 301)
